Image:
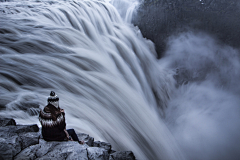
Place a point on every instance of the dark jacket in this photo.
(53, 123)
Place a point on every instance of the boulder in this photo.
(15, 138)
(54, 150)
(96, 153)
(122, 155)
(7, 122)
(28, 139)
(9, 147)
(96, 143)
(86, 138)
(104, 145)
(19, 129)
(23, 142)
(28, 153)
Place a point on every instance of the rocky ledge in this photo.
(23, 142)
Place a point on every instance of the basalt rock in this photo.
(86, 138)
(9, 147)
(54, 150)
(24, 142)
(7, 122)
(28, 139)
(14, 138)
(122, 155)
(104, 145)
(96, 153)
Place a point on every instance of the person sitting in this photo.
(52, 119)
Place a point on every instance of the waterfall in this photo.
(110, 84)
(126, 8)
(105, 73)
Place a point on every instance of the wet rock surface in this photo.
(14, 138)
(122, 155)
(7, 122)
(24, 142)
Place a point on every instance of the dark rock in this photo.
(122, 155)
(19, 129)
(15, 138)
(86, 138)
(9, 131)
(28, 153)
(9, 147)
(96, 153)
(159, 19)
(23, 142)
(112, 151)
(96, 143)
(54, 150)
(28, 139)
(106, 146)
(7, 122)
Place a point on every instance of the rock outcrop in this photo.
(24, 142)
(159, 19)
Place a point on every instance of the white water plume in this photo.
(204, 113)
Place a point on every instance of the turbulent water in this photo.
(184, 106)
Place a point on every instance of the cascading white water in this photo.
(126, 8)
(110, 83)
(101, 67)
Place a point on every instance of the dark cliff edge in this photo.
(24, 142)
(160, 19)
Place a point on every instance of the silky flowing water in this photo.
(110, 84)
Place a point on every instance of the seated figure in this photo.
(52, 119)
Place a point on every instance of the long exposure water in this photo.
(111, 86)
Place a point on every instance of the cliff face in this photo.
(24, 142)
(159, 19)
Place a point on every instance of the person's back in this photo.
(52, 119)
(53, 123)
